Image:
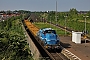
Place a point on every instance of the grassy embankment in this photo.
(46, 25)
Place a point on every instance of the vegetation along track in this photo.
(45, 54)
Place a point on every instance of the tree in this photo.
(73, 13)
(13, 45)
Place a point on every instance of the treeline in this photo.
(14, 12)
(13, 45)
(72, 14)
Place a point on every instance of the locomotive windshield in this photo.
(50, 31)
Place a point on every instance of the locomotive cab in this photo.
(49, 38)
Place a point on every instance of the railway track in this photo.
(61, 27)
(57, 55)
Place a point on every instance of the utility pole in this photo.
(56, 15)
(50, 21)
(65, 24)
(85, 28)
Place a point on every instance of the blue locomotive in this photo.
(49, 38)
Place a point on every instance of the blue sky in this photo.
(45, 5)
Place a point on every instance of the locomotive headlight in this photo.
(46, 46)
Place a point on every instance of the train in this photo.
(47, 36)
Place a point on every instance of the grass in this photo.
(46, 25)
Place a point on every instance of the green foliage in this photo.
(13, 45)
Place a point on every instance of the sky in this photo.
(45, 5)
